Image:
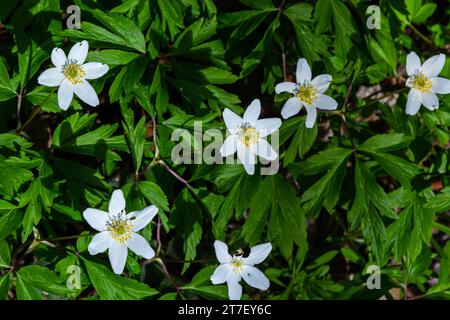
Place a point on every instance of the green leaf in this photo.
(25, 291)
(399, 168)
(4, 286)
(69, 136)
(321, 161)
(368, 191)
(6, 89)
(12, 176)
(154, 194)
(275, 202)
(5, 254)
(136, 139)
(439, 203)
(201, 285)
(444, 271)
(302, 138)
(424, 13)
(112, 57)
(10, 222)
(122, 27)
(189, 226)
(110, 286)
(343, 24)
(43, 279)
(386, 142)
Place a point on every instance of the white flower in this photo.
(118, 231)
(307, 93)
(232, 268)
(71, 73)
(424, 82)
(247, 136)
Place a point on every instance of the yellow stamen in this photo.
(73, 72)
(120, 229)
(421, 82)
(307, 93)
(248, 136)
(237, 264)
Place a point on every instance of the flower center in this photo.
(421, 82)
(248, 135)
(307, 93)
(73, 72)
(120, 229)
(237, 264)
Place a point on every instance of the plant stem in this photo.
(283, 59)
(19, 107)
(158, 236)
(63, 238)
(166, 272)
(420, 34)
(36, 111)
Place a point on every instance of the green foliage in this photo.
(367, 185)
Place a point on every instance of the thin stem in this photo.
(421, 35)
(155, 143)
(176, 175)
(63, 238)
(158, 236)
(36, 111)
(283, 59)
(19, 108)
(405, 291)
(189, 261)
(155, 138)
(347, 96)
(166, 272)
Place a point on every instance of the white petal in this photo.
(408, 82)
(325, 102)
(65, 94)
(265, 150)
(79, 52)
(433, 66)
(99, 243)
(142, 217)
(310, 116)
(430, 101)
(229, 146)
(258, 253)
(267, 126)
(291, 108)
(51, 77)
(303, 71)
(221, 274)
(85, 92)
(234, 288)
(290, 87)
(117, 202)
(222, 252)
(58, 58)
(414, 102)
(96, 218)
(232, 120)
(247, 158)
(117, 256)
(94, 70)
(140, 246)
(255, 278)
(253, 111)
(322, 82)
(441, 85)
(412, 63)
